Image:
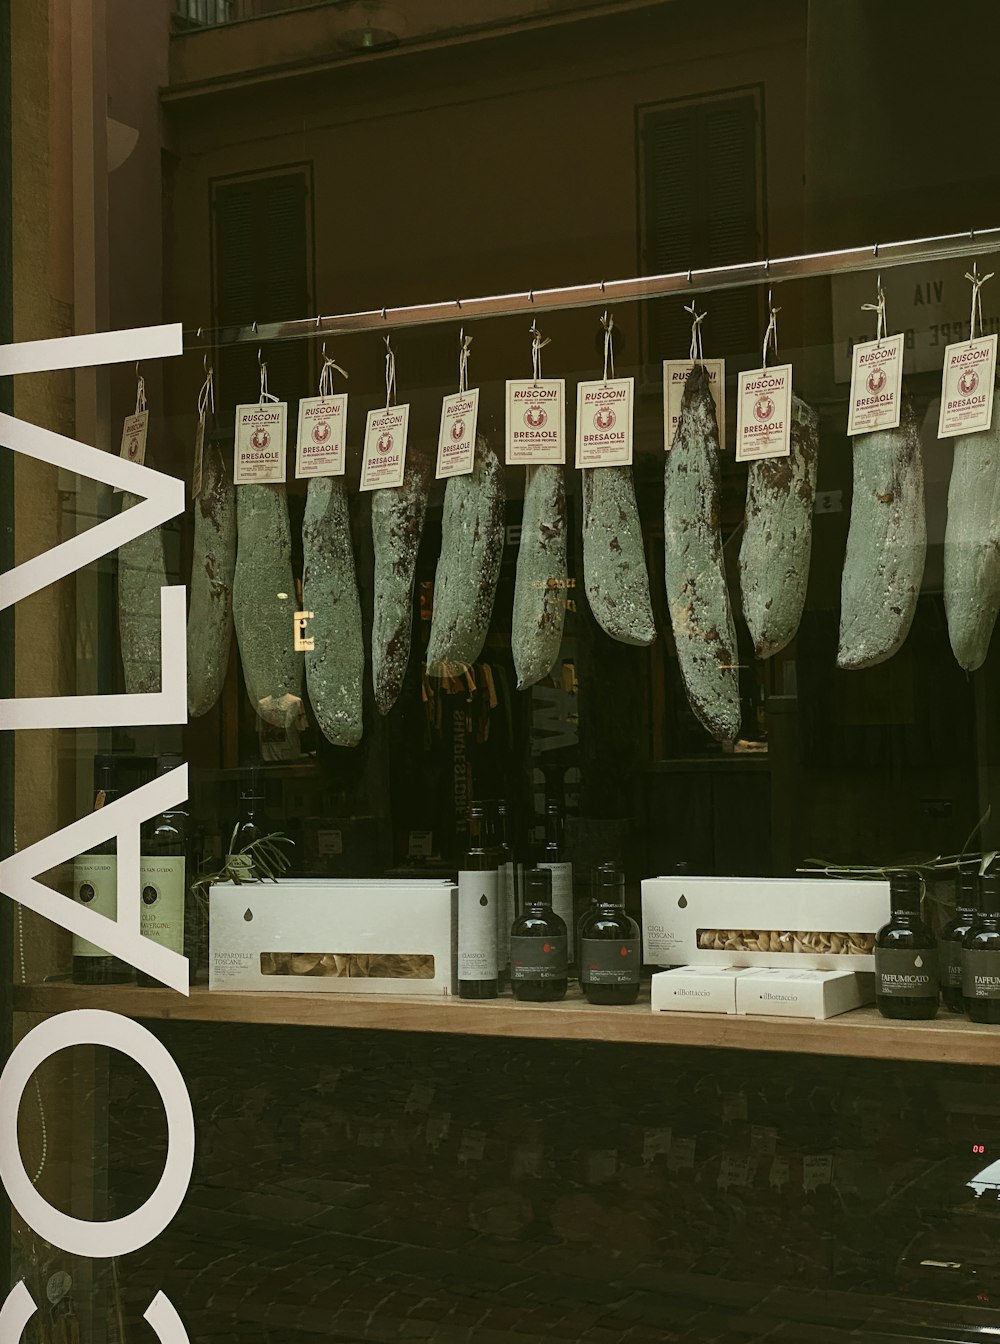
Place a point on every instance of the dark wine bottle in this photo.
(163, 877)
(477, 920)
(981, 955)
(555, 859)
(538, 972)
(610, 947)
(250, 826)
(906, 972)
(953, 935)
(506, 890)
(95, 885)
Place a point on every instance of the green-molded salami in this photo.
(972, 544)
(540, 584)
(697, 595)
(614, 561)
(264, 603)
(335, 666)
(472, 532)
(397, 525)
(213, 563)
(142, 572)
(886, 544)
(777, 536)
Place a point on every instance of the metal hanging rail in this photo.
(880, 256)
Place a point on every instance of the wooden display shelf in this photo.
(861, 1034)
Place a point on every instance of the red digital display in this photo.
(979, 1147)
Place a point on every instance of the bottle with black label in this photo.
(477, 919)
(250, 826)
(163, 877)
(610, 947)
(554, 858)
(981, 955)
(506, 890)
(95, 885)
(538, 972)
(906, 970)
(954, 933)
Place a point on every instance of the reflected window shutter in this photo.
(262, 273)
(702, 208)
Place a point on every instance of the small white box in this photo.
(696, 989)
(320, 935)
(680, 914)
(816, 994)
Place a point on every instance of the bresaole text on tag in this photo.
(260, 443)
(604, 423)
(764, 413)
(967, 387)
(320, 443)
(384, 460)
(876, 385)
(536, 421)
(457, 437)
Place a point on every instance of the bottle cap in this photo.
(538, 886)
(989, 891)
(904, 889)
(610, 884)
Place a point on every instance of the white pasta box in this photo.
(780, 993)
(803, 923)
(320, 935)
(696, 989)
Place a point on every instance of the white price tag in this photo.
(536, 421)
(764, 419)
(329, 843)
(320, 445)
(457, 436)
(675, 375)
(817, 1171)
(876, 385)
(734, 1171)
(967, 387)
(654, 1142)
(604, 423)
(134, 437)
(420, 1098)
(681, 1155)
(198, 470)
(384, 460)
(763, 1139)
(421, 844)
(473, 1146)
(780, 1173)
(260, 443)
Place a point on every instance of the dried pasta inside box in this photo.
(335, 936)
(812, 923)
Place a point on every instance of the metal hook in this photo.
(204, 364)
(459, 303)
(531, 296)
(875, 251)
(767, 271)
(137, 368)
(259, 360)
(319, 319)
(602, 286)
(383, 314)
(253, 326)
(690, 273)
(198, 335)
(323, 350)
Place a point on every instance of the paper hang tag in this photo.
(198, 470)
(321, 441)
(675, 375)
(816, 1171)
(384, 459)
(457, 436)
(260, 443)
(134, 437)
(967, 387)
(604, 411)
(536, 422)
(764, 414)
(876, 385)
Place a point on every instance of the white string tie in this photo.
(330, 366)
(697, 351)
(463, 361)
(140, 393)
(206, 397)
(976, 315)
(264, 394)
(771, 335)
(537, 346)
(390, 373)
(608, 322)
(881, 330)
